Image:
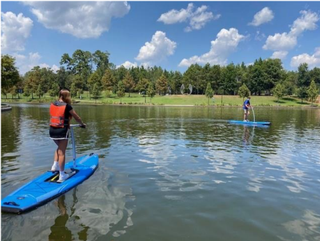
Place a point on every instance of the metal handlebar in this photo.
(74, 142)
(77, 125)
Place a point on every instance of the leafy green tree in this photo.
(256, 77)
(53, 92)
(154, 73)
(9, 74)
(128, 83)
(96, 91)
(20, 86)
(142, 87)
(193, 76)
(313, 92)
(79, 64)
(215, 77)
(303, 81)
(273, 73)
(279, 91)
(93, 80)
(40, 91)
(209, 92)
(151, 91)
(108, 81)
(229, 81)
(26, 90)
(302, 93)
(241, 77)
(162, 84)
(101, 59)
(176, 82)
(243, 91)
(121, 90)
(289, 83)
(13, 91)
(77, 85)
(120, 73)
(33, 80)
(64, 78)
(303, 76)
(315, 75)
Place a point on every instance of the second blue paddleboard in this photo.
(252, 123)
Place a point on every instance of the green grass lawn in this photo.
(198, 100)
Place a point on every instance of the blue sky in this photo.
(172, 35)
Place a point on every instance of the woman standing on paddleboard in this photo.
(61, 113)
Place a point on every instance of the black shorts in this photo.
(59, 133)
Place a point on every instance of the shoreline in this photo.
(317, 106)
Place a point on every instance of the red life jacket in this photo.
(57, 117)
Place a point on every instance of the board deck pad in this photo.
(45, 187)
(55, 175)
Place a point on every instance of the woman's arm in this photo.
(76, 117)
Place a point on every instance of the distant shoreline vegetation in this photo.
(91, 78)
(136, 99)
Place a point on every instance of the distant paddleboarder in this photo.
(61, 113)
(246, 106)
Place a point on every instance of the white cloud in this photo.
(279, 55)
(15, 29)
(157, 50)
(311, 60)
(261, 17)
(286, 41)
(128, 65)
(280, 42)
(197, 19)
(26, 63)
(55, 68)
(306, 22)
(175, 16)
(225, 43)
(81, 19)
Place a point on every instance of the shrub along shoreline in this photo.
(173, 100)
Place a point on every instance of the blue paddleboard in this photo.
(45, 187)
(252, 123)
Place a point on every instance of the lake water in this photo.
(170, 173)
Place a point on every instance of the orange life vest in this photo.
(57, 117)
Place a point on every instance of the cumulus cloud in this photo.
(279, 55)
(175, 16)
(197, 18)
(261, 17)
(311, 60)
(80, 19)
(15, 29)
(306, 22)
(156, 50)
(286, 41)
(128, 65)
(27, 62)
(226, 42)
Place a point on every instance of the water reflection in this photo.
(172, 169)
(59, 231)
(307, 227)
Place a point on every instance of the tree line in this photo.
(93, 72)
